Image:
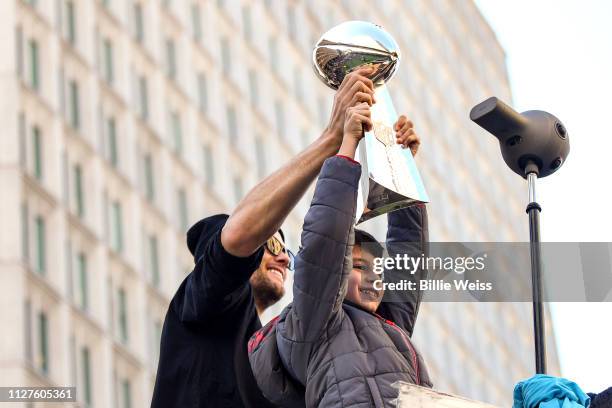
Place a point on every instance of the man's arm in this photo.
(262, 211)
(225, 262)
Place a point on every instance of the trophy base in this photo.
(381, 200)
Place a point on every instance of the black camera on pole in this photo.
(533, 144)
(530, 137)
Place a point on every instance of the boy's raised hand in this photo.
(357, 119)
(405, 134)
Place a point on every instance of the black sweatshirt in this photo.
(203, 353)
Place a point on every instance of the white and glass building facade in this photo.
(125, 121)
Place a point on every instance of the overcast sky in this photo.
(559, 56)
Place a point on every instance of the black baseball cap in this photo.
(202, 231)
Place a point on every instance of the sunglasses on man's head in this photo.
(275, 247)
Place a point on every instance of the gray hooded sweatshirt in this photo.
(322, 351)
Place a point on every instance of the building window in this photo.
(25, 232)
(126, 393)
(116, 227)
(273, 49)
(260, 154)
(70, 17)
(34, 61)
(148, 173)
(40, 245)
(291, 23)
(209, 168)
(83, 286)
(232, 125)
(43, 343)
(113, 151)
(61, 91)
(226, 61)
(108, 60)
(177, 132)
(19, 50)
(86, 365)
(202, 92)
(253, 87)
(247, 24)
(238, 190)
(78, 191)
(305, 138)
(322, 111)
(74, 373)
(138, 23)
(154, 260)
(170, 58)
(144, 97)
(65, 178)
(123, 316)
(183, 209)
(21, 130)
(75, 116)
(70, 269)
(280, 118)
(297, 83)
(157, 332)
(196, 21)
(37, 152)
(28, 331)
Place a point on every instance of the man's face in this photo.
(361, 281)
(268, 281)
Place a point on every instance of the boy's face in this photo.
(361, 281)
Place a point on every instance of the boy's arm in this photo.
(325, 257)
(407, 233)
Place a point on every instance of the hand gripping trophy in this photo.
(390, 179)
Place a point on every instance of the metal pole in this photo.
(533, 209)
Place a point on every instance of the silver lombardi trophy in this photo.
(390, 179)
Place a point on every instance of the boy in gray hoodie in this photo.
(337, 345)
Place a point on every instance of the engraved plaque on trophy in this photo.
(390, 179)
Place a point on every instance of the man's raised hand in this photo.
(355, 88)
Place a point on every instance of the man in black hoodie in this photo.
(240, 267)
